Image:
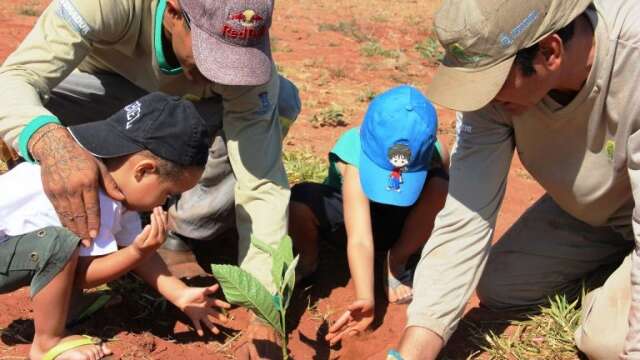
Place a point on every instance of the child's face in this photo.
(144, 189)
(398, 161)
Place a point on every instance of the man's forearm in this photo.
(420, 343)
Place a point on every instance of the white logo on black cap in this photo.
(133, 113)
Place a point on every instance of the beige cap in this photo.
(481, 39)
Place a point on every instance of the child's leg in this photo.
(415, 232)
(419, 223)
(314, 209)
(46, 260)
(50, 307)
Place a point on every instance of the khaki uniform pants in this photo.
(548, 252)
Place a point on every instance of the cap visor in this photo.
(467, 90)
(375, 183)
(103, 140)
(229, 64)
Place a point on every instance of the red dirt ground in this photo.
(329, 68)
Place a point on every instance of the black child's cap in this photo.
(169, 127)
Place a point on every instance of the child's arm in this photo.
(94, 271)
(357, 220)
(360, 251)
(193, 301)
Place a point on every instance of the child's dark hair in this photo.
(399, 150)
(166, 169)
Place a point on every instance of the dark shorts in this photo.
(35, 258)
(325, 202)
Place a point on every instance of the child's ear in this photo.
(144, 168)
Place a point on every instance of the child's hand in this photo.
(355, 320)
(196, 303)
(153, 235)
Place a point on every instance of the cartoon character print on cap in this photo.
(399, 156)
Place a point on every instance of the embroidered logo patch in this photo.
(265, 104)
(464, 57)
(244, 27)
(399, 155)
(507, 39)
(68, 12)
(610, 148)
(133, 113)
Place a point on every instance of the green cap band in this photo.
(31, 129)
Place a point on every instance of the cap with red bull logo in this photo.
(231, 39)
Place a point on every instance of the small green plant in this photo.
(373, 48)
(430, 49)
(348, 28)
(29, 9)
(303, 165)
(367, 95)
(243, 289)
(333, 116)
(548, 335)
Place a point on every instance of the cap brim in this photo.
(464, 89)
(375, 184)
(103, 140)
(229, 64)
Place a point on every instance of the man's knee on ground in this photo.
(597, 345)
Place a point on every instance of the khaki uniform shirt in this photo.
(124, 37)
(586, 155)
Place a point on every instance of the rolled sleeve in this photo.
(59, 41)
(454, 257)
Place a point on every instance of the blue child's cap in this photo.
(397, 139)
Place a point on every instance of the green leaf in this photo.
(262, 245)
(241, 288)
(281, 258)
(289, 281)
(285, 249)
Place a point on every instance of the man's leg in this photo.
(207, 211)
(84, 97)
(548, 252)
(605, 312)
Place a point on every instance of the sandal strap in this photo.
(65, 346)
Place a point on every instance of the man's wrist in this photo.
(36, 126)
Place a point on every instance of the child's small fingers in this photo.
(210, 325)
(196, 324)
(217, 315)
(218, 303)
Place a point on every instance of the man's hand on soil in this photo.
(262, 342)
(70, 177)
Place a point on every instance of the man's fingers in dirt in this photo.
(108, 184)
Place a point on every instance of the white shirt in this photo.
(24, 208)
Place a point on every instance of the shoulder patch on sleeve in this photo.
(69, 13)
